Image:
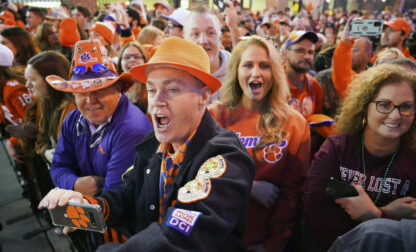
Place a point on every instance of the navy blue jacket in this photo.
(221, 223)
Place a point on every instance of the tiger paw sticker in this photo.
(273, 153)
(77, 216)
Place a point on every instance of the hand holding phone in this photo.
(339, 189)
(366, 27)
(80, 216)
(220, 4)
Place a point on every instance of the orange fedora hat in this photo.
(91, 70)
(182, 54)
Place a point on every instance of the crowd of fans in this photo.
(307, 100)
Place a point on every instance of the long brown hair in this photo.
(274, 118)
(23, 42)
(140, 92)
(49, 63)
(42, 34)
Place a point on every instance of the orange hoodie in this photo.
(342, 73)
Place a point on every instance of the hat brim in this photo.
(89, 85)
(394, 27)
(160, 4)
(171, 19)
(307, 35)
(139, 73)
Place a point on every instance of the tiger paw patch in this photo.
(183, 220)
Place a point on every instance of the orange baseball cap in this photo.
(399, 24)
(296, 36)
(91, 70)
(182, 54)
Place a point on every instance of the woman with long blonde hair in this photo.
(255, 106)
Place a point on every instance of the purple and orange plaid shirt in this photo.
(168, 170)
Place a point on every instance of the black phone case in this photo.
(339, 189)
(220, 4)
(80, 216)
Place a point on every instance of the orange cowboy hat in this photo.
(182, 54)
(91, 70)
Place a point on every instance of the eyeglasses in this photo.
(386, 107)
(303, 51)
(170, 25)
(136, 57)
(97, 68)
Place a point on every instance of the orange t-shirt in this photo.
(15, 99)
(285, 166)
(307, 101)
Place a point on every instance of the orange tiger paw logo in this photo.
(77, 216)
(273, 153)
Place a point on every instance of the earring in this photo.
(364, 122)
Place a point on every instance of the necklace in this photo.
(385, 172)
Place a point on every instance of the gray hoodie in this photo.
(221, 72)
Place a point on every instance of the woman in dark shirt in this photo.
(375, 151)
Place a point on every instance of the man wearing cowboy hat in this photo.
(97, 139)
(191, 181)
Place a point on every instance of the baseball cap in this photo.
(285, 20)
(296, 36)
(164, 4)
(399, 24)
(178, 16)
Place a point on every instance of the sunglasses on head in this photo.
(96, 68)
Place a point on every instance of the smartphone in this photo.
(366, 27)
(80, 216)
(339, 189)
(220, 4)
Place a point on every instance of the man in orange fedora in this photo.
(190, 184)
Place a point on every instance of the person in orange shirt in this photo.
(351, 56)
(256, 107)
(14, 97)
(298, 52)
(394, 34)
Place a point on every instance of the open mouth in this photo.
(162, 121)
(255, 87)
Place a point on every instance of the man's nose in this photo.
(202, 38)
(90, 98)
(159, 99)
